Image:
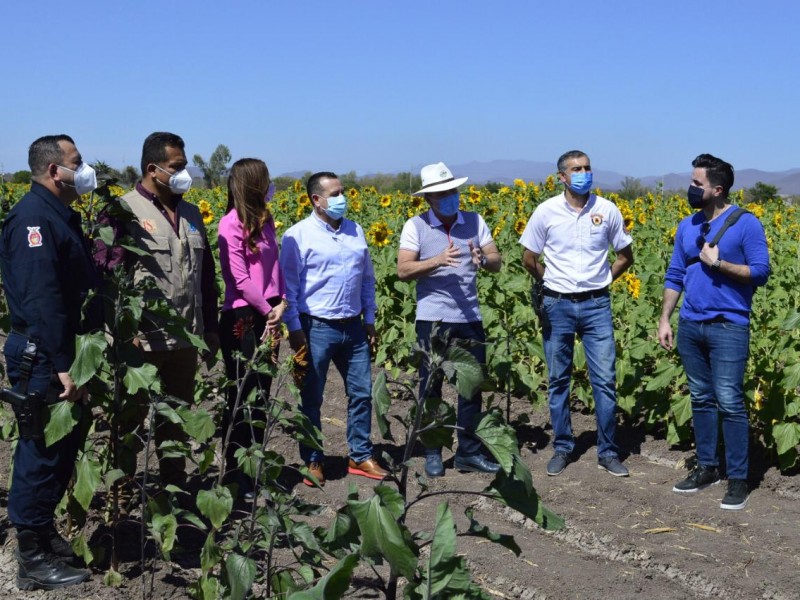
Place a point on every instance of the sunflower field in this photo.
(651, 383)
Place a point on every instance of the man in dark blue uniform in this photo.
(47, 273)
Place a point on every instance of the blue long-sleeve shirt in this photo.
(47, 273)
(709, 294)
(328, 272)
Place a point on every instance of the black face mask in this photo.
(695, 196)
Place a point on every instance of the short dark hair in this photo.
(718, 171)
(313, 186)
(155, 147)
(562, 160)
(45, 151)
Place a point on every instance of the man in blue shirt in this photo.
(47, 274)
(330, 288)
(718, 282)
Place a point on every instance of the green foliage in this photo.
(761, 193)
(214, 170)
(22, 177)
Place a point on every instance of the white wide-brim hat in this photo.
(437, 178)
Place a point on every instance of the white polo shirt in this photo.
(575, 244)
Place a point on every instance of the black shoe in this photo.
(52, 542)
(736, 498)
(477, 463)
(557, 464)
(433, 465)
(699, 479)
(42, 570)
(613, 466)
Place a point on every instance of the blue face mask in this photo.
(448, 206)
(337, 206)
(695, 196)
(581, 182)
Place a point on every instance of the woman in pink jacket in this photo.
(254, 302)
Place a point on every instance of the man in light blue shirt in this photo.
(330, 288)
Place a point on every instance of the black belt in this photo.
(337, 321)
(576, 296)
(717, 319)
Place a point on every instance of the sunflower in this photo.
(520, 183)
(385, 201)
(352, 193)
(298, 185)
(205, 211)
(303, 201)
(519, 226)
(379, 234)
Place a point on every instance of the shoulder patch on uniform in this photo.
(34, 237)
(149, 225)
(597, 219)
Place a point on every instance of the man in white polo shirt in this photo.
(442, 250)
(574, 231)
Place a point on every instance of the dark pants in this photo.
(177, 369)
(41, 473)
(468, 408)
(240, 331)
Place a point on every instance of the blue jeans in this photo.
(468, 408)
(41, 472)
(714, 356)
(345, 343)
(591, 320)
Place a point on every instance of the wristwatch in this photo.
(715, 265)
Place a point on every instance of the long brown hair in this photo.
(248, 183)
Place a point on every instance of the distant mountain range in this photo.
(505, 171)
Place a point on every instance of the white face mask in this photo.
(179, 183)
(84, 179)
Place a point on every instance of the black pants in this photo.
(240, 331)
(41, 472)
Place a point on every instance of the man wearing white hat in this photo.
(443, 250)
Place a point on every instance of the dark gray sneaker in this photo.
(558, 463)
(736, 498)
(699, 478)
(613, 466)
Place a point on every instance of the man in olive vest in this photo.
(180, 262)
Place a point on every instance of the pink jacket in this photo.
(250, 277)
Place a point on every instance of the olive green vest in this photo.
(175, 263)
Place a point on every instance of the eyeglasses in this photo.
(704, 229)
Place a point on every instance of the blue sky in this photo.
(643, 87)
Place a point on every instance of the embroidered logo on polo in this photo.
(34, 237)
(192, 228)
(149, 225)
(597, 219)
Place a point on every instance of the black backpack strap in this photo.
(729, 221)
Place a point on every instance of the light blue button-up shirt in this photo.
(328, 272)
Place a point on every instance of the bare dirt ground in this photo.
(625, 537)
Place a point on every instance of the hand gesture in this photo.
(476, 254)
(449, 258)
